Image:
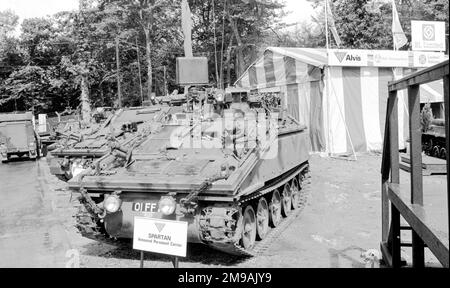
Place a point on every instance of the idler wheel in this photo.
(295, 197)
(248, 228)
(443, 153)
(262, 218)
(286, 200)
(275, 209)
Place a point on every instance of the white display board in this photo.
(383, 58)
(428, 35)
(160, 236)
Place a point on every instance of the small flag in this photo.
(400, 39)
(332, 25)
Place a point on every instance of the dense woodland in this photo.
(57, 60)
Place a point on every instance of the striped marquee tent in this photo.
(344, 105)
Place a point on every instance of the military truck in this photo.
(236, 176)
(433, 140)
(18, 137)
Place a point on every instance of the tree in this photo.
(241, 30)
(8, 22)
(367, 24)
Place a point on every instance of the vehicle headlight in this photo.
(167, 205)
(112, 203)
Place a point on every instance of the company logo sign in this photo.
(340, 55)
(160, 226)
(422, 59)
(429, 34)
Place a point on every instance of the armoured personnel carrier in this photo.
(234, 171)
(75, 152)
(433, 140)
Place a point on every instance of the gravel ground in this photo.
(342, 218)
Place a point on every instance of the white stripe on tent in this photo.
(303, 101)
(401, 107)
(283, 90)
(245, 81)
(370, 107)
(320, 56)
(260, 74)
(280, 71)
(301, 69)
(338, 133)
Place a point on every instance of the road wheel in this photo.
(286, 200)
(295, 198)
(249, 228)
(275, 209)
(262, 218)
(443, 153)
(436, 152)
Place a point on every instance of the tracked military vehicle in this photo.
(76, 151)
(233, 171)
(433, 140)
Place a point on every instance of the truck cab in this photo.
(18, 137)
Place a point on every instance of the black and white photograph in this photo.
(237, 135)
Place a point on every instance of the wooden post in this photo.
(119, 90)
(175, 262)
(142, 259)
(415, 135)
(393, 138)
(396, 249)
(447, 140)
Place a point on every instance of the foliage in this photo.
(56, 58)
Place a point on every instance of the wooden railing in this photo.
(394, 205)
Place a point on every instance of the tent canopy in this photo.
(284, 66)
(343, 104)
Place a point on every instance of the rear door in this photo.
(16, 137)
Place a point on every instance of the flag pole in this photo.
(326, 25)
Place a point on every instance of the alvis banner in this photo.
(384, 58)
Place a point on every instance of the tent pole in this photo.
(327, 91)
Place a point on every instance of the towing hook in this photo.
(102, 215)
